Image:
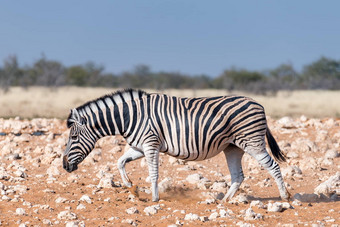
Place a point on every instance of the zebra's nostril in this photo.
(65, 163)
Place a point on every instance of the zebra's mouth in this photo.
(69, 167)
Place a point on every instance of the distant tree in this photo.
(201, 82)
(322, 74)
(45, 73)
(11, 73)
(283, 77)
(94, 72)
(235, 79)
(77, 76)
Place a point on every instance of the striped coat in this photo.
(186, 128)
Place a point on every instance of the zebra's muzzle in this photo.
(69, 167)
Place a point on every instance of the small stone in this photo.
(251, 215)
(132, 210)
(60, 200)
(240, 198)
(20, 211)
(274, 207)
(297, 203)
(105, 183)
(204, 218)
(20, 173)
(165, 185)
(194, 178)
(213, 216)
(47, 222)
(286, 205)
(220, 196)
(328, 187)
(191, 217)
(130, 221)
(287, 122)
(219, 186)
(86, 198)
(53, 171)
(81, 207)
(67, 215)
(292, 154)
(150, 210)
(71, 224)
(332, 154)
(258, 203)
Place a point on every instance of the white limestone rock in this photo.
(106, 182)
(20, 211)
(291, 171)
(274, 207)
(194, 178)
(191, 217)
(240, 198)
(213, 216)
(329, 186)
(165, 184)
(61, 200)
(287, 123)
(258, 204)
(67, 215)
(150, 210)
(331, 154)
(251, 215)
(219, 186)
(53, 171)
(86, 198)
(132, 210)
(81, 207)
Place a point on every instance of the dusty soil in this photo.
(32, 178)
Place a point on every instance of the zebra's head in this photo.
(80, 142)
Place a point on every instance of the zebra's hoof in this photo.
(155, 199)
(134, 191)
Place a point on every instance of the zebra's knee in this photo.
(120, 164)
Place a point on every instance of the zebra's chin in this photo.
(69, 167)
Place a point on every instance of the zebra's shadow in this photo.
(253, 198)
(278, 199)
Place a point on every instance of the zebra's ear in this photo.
(75, 115)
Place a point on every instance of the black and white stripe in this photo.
(186, 128)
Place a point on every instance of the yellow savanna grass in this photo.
(56, 103)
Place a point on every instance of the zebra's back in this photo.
(199, 128)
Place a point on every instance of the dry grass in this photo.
(44, 102)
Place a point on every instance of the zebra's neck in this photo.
(113, 114)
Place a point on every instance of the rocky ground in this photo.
(36, 191)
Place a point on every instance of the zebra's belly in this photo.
(194, 155)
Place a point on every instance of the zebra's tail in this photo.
(275, 149)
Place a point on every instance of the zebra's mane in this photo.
(102, 98)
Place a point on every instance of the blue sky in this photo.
(188, 36)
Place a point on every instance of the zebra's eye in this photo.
(74, 137)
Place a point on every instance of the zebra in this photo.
(191, 129)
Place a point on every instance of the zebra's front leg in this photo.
(152, 158)
(130, 155)
(234, 156)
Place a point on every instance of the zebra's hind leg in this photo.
(130, 155)
(234, 155)
(267, 162)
